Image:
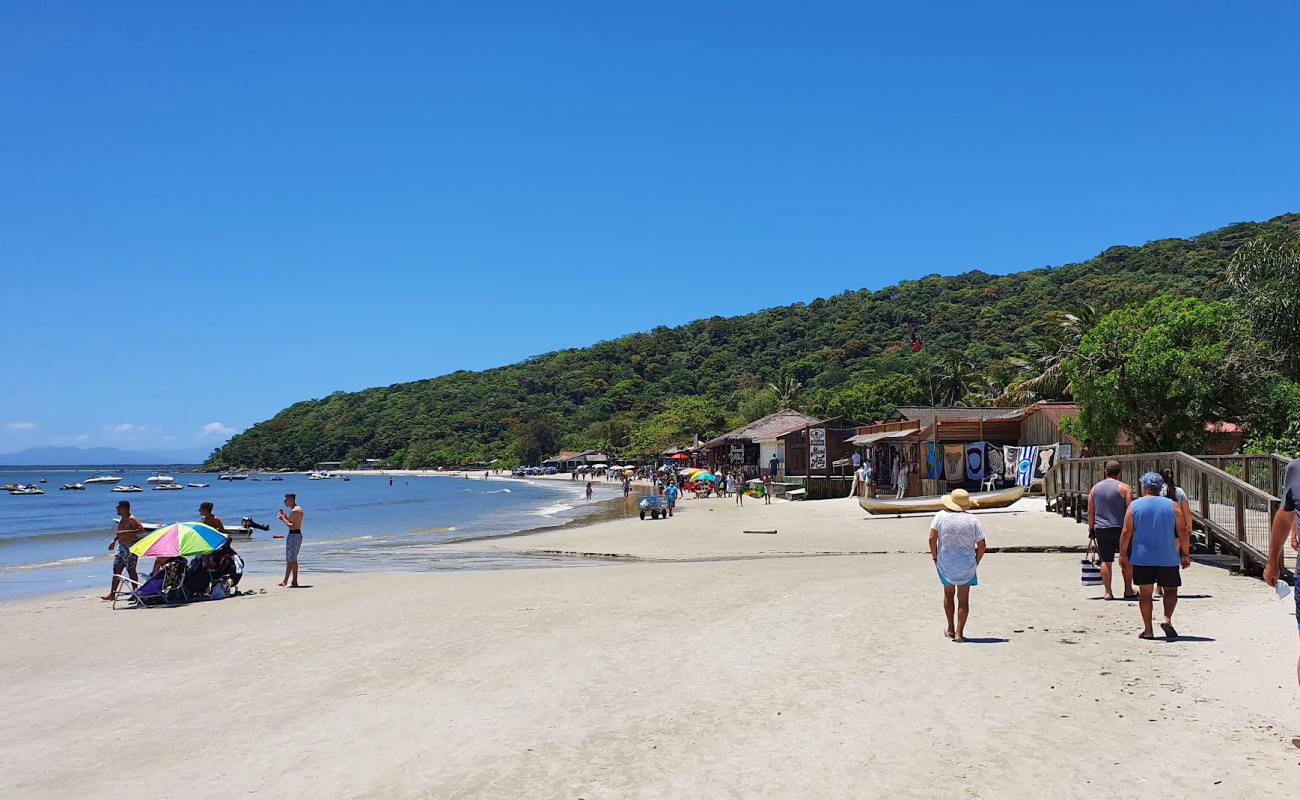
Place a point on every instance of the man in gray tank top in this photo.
(1107, 504)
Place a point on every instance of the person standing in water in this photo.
(292, 541)
(208, 518)
(588, 491)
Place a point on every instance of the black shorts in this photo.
(1107, 543)
(1166, 577)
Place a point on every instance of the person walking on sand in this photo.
(292, 541)
(128, 533)
(1156, 542)
(589, 491)
(901, 479)
(767, 490)
(957, 546)
(1284, 528)
(1107, 504)
(736, 485)
(671, 495)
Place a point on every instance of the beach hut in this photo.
(751, 447)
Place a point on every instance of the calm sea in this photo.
(59, 541)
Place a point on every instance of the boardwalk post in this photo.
(1273, 487)
(1203, 490)
(1246, 469)
(1240, 512)
(1273, 506)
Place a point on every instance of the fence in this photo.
(1234, 512)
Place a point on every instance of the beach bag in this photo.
(1090, 567)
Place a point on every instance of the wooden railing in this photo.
(1232, 512)
(1264, 471)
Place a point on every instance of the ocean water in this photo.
(59, 541)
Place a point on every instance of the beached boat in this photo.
(158, 477)
(75, 487)
(102, 478)
(127, 489)
(197, 485)
(919, 505)
(167, 487)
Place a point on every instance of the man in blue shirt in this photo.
(1156, 542)
(671, 494)
(1284, 527)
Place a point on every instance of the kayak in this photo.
(918, 505)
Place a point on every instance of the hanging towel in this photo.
(1046, 457)
(975, 461)
(1025, 466)
(954, 458)
(930, 465)
(994, 465)
(1011, 459)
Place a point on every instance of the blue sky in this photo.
(212, 210)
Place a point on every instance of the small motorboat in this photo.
(275, 478)
(127, 489)
(43, 480)
(318, 476)
(921, 505)
(27, 488)
(344, 478)
(197, 485)
(232, 476)
(102, 478)
(72, 487)
(158, 477)
(167, 487)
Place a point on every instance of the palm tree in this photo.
(1042, 373)
(953, 378)
(787, 390)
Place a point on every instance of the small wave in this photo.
(552, 510)
(61, 562)
(498, 491)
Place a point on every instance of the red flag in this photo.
(916, 341)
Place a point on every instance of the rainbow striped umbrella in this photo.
(180, 539)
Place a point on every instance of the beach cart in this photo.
(656, 505)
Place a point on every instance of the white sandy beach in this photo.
(741, 665)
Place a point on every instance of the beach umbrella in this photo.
(705, 476)
(180, 539)
(681, 457)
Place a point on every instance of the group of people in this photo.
(222, 567)
(1150, 536)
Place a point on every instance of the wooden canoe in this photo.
(919, 505)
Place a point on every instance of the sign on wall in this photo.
(816, 449)
(738, 453)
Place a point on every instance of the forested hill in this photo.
(850, 353)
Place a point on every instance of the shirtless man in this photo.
(293, 541)
(128, 533)
(208, 518)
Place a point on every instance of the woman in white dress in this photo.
(956, 545)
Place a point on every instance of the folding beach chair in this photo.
(166, 588)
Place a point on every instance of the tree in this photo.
(869, 402)
(953, 376)
(787, 389)
(535, 438)
(1042, 376)
(1265, 275)
(1159, 372)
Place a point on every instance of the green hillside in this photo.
(850, 353)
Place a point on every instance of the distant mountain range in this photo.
(97, 456)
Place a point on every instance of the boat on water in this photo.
(43, 480)
(167, 487)
(232, 476)
(158, 477)
(28, 488)
(102, 478)
(127, 489)
(318, 476)
(919, 505)
(73, 487)
(275, 478)
(197, 485)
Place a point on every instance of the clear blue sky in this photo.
(211, 210)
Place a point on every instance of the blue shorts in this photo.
(974, 581)
(292, 544)
(124, 558)
(1297, 606)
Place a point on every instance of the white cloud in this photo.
(20, 426)
(124, 427)
(82, 437)
(216, 428)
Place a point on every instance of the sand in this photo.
(753, 670)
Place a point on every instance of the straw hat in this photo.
(959, 500)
